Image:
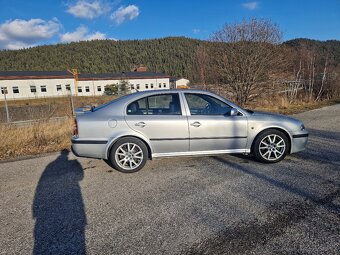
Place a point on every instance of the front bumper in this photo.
(299, 141)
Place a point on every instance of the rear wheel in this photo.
(271, 146)
(128, 155)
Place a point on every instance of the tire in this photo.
(128, 155)
(271, 146)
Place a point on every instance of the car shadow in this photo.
(58, 209)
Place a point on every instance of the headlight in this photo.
(302, 127)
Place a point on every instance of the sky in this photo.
(28, 23)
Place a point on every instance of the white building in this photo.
(180, 83)
(37, 84)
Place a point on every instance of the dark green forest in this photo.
(172, 55)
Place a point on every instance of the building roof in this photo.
(19, 75)
(123, 75)
(23, 75)
(173, 79)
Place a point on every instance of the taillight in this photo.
(75, 127)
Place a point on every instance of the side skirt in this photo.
(198, 153)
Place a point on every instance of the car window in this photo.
(138, 107)
(201, 104)
(165, 104)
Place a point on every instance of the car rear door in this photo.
(211, 127)
(160, 118)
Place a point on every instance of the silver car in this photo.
(145, 125)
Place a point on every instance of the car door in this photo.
(159, 117)
(211, 127)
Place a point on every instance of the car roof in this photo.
(162, 91)
(119, 104)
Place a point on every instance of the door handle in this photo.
(140, 124)
(196, 124)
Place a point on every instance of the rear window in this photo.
(164, 104)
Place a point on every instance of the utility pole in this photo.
(4, 91)
(75, 77)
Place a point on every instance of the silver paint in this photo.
(179, 135)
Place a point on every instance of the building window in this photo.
(68, 87)
(146, 86)
(80, 89)
(87, 89)
(164, 85)
(132, 86)
(151, 85)
(58, 87)
(4, 90)
(43, 88)
(16, 90)
(159, 85)
(99, 88)
(137, 86)
(33, 89)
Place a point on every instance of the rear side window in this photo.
(138, 107)
(164, 104)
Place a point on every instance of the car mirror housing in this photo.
(233, 112)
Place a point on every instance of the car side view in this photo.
(134, 128)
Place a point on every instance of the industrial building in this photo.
(42, 84)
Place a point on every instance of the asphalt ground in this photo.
(230, 204)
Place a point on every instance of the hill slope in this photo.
(171, 55)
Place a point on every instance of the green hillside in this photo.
(171, 55)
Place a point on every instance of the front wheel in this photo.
(128, 155)
(271, 146)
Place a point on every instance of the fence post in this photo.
(4, 91)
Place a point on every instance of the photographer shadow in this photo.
(58, 209)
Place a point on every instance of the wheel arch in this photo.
(275, 128)
(116, 139)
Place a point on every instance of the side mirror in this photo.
(233, 112)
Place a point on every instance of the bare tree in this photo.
(201, 64)
(323, 80)
(247, 55)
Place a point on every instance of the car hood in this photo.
(268, 116)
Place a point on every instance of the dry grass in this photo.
(282, 106)
(34, 139)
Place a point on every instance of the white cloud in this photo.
(196, 30)
(88, 9)
(18, 33)
(125, 13)
(251, 5)
(81, 34)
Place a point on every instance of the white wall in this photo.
(182, 82)
(25, 88)
(92, 85)
(144, 84)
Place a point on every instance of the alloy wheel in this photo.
(129, 156)
(272, 147)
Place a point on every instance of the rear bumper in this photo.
(299, 141)
(89, 148)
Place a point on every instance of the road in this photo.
(60, 204)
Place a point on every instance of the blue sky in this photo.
(25, 23)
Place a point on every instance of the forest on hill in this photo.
(172, 55)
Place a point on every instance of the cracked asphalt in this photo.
(60, 204)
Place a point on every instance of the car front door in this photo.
(160, 118)
(211, 126)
